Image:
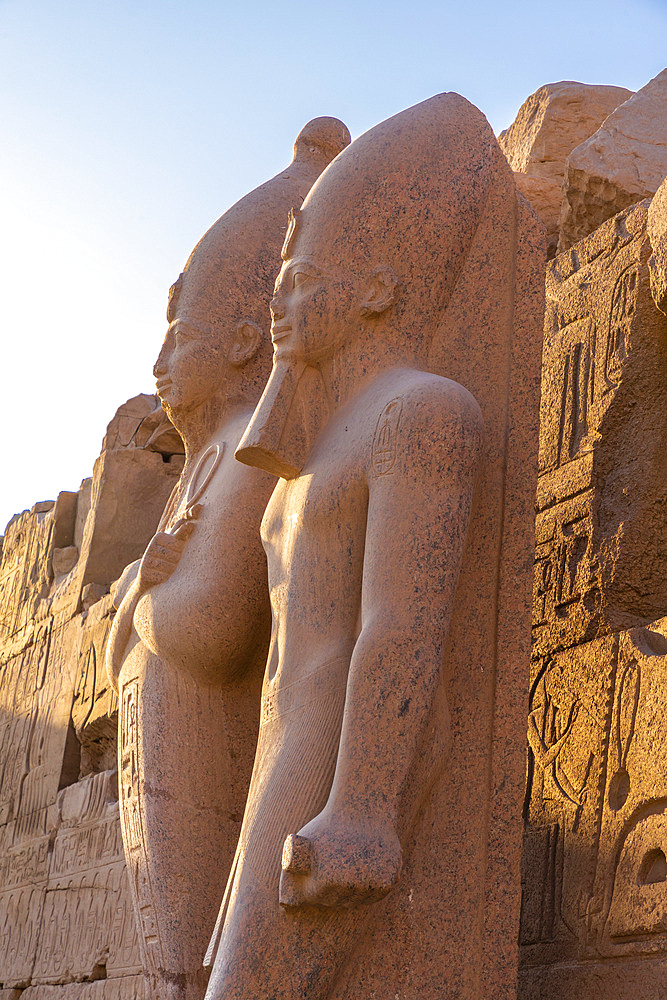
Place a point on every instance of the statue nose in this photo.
(277, 311)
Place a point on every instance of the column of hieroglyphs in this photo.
(594, 910)
(66, 925)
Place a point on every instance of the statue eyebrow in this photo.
(187, 327)
(303, 263)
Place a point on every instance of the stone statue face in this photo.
(190, 367)
(315, 308)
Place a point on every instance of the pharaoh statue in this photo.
(189, 640)
(379, 849)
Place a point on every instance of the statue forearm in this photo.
(121, 631)
(392, 679)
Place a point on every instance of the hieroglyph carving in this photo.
(603, 396)
(595, 876)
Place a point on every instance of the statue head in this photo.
(217, 342)
(372, 258)
(383, 234)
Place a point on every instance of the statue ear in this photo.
(245, 343)
(381, 292)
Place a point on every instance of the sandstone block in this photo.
(552, 121)
(622, 163)
(26, 567)
(130, 489)
(23, 872)
(35, 740)
(594, 869)
(95, 707)
(142, 423)
(601, 541)
(116, 988)
(657, 231)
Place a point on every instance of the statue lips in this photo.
(280, 331)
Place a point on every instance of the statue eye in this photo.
(298, 278)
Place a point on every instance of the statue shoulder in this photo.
(428, 427)
(430, 410)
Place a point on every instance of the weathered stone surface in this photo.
(545, 196)
(142, 423)
(65, 912)
(120, 988)
(64, 907)
(88, 929)
(594, 868)
(552, 121)
(130, 486)
(601, 533)
(26, 568)
(622, 163)
(657, 232)
(95, 706)
(411, 259)
(594, 874)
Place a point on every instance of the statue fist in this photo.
(337, 864)
(164, 551)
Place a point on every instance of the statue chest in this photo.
(313, 532)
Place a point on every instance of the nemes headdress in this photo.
(229, 275)
(408, 194)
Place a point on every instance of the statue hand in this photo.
(331, 862)
(163, 552)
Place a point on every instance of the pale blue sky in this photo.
(129, 127)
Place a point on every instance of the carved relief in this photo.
(95, 707)
(628, 914)
(564, 585)
(384, 440)
(22, 881)
(568, 733)
(566, 415)
(132, 826)
(621, 315)
(603, 390)
(594, 871)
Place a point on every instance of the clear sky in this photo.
(129, 127)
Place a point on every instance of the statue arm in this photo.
(418, 516)
(158, 562)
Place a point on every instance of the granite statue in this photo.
(189, 639)
(379, 849)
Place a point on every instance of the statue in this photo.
(378, 854)
(188, 643)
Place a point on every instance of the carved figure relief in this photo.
(628, 913)
(623, 306)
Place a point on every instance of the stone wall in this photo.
(594, 912)
(66, 922)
